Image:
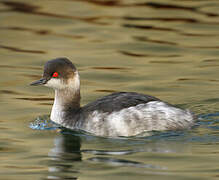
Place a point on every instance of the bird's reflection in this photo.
(66, 155)
(63, 156)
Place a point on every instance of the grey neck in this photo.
(66, 105)
(68, 98)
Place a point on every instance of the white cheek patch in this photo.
(72, 83)
(55, 83)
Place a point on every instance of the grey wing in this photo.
(118, 101)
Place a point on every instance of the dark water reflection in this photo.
(168, 49)
(65, 153)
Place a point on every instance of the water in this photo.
(168, 49)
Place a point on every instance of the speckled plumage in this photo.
(129, 114)
(118, 114)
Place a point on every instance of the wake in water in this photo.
(44, 123)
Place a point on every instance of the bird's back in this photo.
(129, 114)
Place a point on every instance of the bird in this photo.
(114, 115)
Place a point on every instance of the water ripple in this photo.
(127, 53)
(32, 9)
(42, 32)
(43, 123)
(16, 49)
(105, 152)
(123, 162)
(148, 27)
(36, 99)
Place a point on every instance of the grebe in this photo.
(118, 114)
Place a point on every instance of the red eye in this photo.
(55, 74)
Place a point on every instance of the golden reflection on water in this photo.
(168, 49)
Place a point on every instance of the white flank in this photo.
(131, 121)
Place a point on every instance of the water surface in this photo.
(168, 49)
